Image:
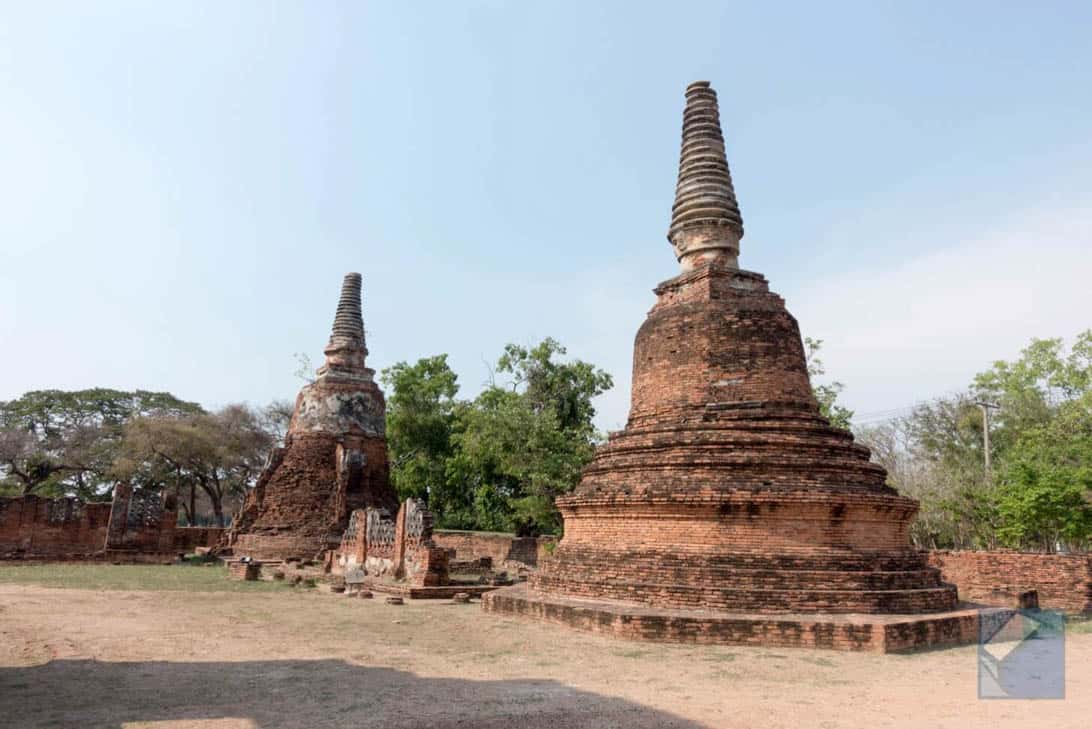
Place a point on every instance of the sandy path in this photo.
(74, 658)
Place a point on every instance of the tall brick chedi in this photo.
(334, 458)
(728, 490)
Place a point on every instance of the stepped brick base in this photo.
(750, 551)
(854, 632)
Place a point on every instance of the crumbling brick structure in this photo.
(134, 523)
(728, 490)
(65, 528)
(141, 521)
(401, 548)
(334, 459)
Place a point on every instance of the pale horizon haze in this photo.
(184, 185)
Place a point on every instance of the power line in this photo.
(879, 416)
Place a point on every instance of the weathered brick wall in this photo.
(1064, 581)
(61, 528)
(69, 528)
(399, 547)
(141, 521)
(498, 546)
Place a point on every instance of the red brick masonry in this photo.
(500, 547)
(872, 633)
(69, 528)
(728, 490)
(52, 528)
(1063, 581)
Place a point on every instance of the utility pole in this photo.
(986, 407)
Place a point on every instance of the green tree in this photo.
(1029, 390)
(221, 454)
(54, 442)
(559, 439)
(566, 388)
(515, 459)
(420, 416)
(1038, 491)
(1045, 495)
(496, 462)
(827, 394)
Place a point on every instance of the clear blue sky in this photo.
(184, 184)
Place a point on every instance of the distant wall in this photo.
(499, 546)
(66, 527)
(135, 522)
(1063, 581)
(187, 539)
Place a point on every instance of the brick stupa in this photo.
(334, 458)
(729, 510)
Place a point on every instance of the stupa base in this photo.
(849, 632)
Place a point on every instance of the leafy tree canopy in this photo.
(495, 462)
(54, 442)
(1038, 493)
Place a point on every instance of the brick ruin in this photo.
(728, 490)
(135, 524)
(334, 459)
(399, 548)
(62, 528)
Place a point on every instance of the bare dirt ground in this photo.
(204, 660)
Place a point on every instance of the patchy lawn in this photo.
(198, 577)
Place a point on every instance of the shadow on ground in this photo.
(298, 693)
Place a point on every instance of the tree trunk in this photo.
(193, 503)
(218, 510)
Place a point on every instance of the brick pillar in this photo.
(168, 522)
(361, 538)
(400, 542)
(119, 516)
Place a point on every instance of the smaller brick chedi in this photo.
(728, 490)
(334, 458)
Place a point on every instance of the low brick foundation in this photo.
(443, 592)
(872, 633)
(1063, 581)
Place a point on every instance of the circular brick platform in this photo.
(855, 632)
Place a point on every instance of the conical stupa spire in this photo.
(347, 349)
(705, 219)
(348, 321)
